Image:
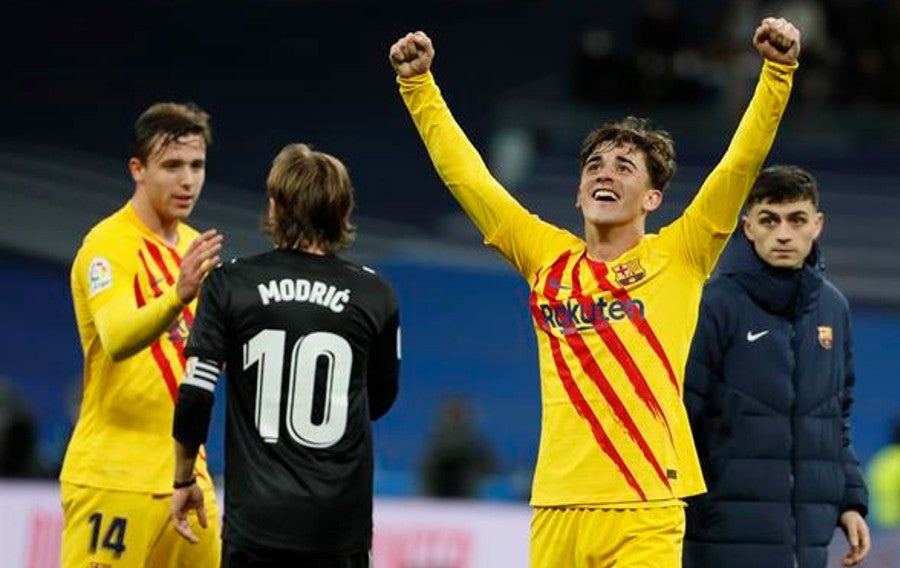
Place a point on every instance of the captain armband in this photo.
(195, 402)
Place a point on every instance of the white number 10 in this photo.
(266, 350)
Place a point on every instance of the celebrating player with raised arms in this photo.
(613, 310)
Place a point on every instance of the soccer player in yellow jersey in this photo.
(134, 282)
(613, 311)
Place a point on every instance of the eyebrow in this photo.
(597, 156)
(788, 214)
(179, 161)
(627, 161)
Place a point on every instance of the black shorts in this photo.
(246, 557)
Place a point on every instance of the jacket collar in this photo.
(783, 291)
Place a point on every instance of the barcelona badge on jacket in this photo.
(826, 338)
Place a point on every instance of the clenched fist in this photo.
(777, 40)
(412, 55)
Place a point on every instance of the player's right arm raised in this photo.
(124, 327)
(456, 160)
(506, 225)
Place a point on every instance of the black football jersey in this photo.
(310, 346)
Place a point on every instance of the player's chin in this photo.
(783, 261)
(181, 212)
(601, 216)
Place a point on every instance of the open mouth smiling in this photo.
(606, 195)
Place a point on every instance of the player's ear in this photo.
(271, 210)
(136, 169)
(652, 200)
(819, 221)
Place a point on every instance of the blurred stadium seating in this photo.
(275, 72)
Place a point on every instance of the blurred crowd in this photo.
(696, 51)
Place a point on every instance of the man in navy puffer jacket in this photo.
(769, 386)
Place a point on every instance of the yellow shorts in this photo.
(121, 529)
(600, 538)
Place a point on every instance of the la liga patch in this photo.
(99, 275)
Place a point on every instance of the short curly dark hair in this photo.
(657, 146)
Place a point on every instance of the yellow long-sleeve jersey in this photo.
(613, 337)
(133, 329)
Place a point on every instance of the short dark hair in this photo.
(313, 199)
(784, 184)
(166, 122)
(657, 146)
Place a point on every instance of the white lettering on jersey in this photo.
(301, 290)
(99, 275)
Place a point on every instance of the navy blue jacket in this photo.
(768, 387)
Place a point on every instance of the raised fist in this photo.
(411, 55)
(778, 40)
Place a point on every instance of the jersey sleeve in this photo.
(196, 395)
(522, 238)
(206, 352)
(208, 339)
(384, 362)
(703, 230)
(125, 323)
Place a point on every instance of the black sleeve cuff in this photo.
(192, 416)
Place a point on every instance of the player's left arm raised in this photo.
(712, 215)
(777, 40)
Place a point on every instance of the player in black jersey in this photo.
(309, 344)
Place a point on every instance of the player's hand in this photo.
(201, 257)
(857, 533)
(183, 501)
(412, 55)
(777, 40)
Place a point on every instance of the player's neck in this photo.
(606, 242)
(315, 249)
(165, 229)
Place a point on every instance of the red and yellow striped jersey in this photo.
(133, 330)
(613, 337)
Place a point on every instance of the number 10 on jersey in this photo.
(266, 350)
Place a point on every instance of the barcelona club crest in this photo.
(629, 273)
(826, 338)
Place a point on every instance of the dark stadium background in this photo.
(525, 78)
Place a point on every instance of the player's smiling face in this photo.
(172, 177)
(615, 186)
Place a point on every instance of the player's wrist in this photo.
(184, 484)
(181, 296)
